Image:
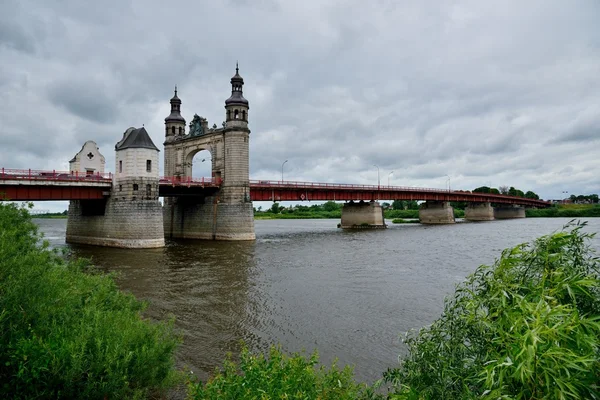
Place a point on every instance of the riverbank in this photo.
(565, 211)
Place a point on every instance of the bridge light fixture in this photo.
(390, 174)
(282, 164)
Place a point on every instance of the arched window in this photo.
(180, 130)
(236, 114)
(173, 130)
(135, 186)
(243, 115)
(228, 115)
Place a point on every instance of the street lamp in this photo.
(391, 173)
(377, 173)
(448, 182)
(282, 164)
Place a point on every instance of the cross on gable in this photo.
(90, 155)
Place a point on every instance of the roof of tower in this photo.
(175, 115)
(135, 138)
(175, 98)
(236, 95)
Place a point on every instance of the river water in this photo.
(307, 285)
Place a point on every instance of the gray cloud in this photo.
(500, 92)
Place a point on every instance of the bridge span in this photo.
(40, 185)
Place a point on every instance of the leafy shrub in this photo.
(279, 377)
(527, 328)
(65, 333)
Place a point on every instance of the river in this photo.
(307, 285)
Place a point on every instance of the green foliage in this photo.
(404, 221)
(592, 198)
(564, 212)
(527, 328)
(405, 214)
(279, 376)
(405, 205)
(68, 333)
(275, 208)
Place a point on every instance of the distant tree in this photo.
(512, 191)
(494, 191)
(398, 205)
(412, 205)
(331, 206)
(385, 204)
(503, 190)
(531, 195)
(482, 189)
(275, 208)
(594, 198)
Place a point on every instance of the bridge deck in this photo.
(56, 185)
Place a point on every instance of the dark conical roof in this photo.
(135, 138)
(237, 96)
(175, 115)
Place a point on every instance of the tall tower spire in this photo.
(174, 123)
(236, 105)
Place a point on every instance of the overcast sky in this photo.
(483, 92)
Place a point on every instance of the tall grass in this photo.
(66, 332)
(526, 328)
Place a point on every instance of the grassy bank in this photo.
(67, 331)
(565, 211)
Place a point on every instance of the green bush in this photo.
(527, 328)
(66, 333)
(279, 377)
(590, 211)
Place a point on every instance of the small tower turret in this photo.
(174, 123)
(236, 105)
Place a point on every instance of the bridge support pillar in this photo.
(208, 218)
(116, 223)
(436, 212)
(479, 212)
(509, 212)
(362, 215)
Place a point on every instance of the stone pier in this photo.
(479, 212)
(362, 215)
(509, 212)
(436, 212)
(208, 218)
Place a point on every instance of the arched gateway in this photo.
(225, 213)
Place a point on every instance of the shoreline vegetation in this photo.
(527, 327)
(333, 210)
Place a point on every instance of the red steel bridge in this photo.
(36, 185)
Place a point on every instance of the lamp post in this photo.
(448, 182)
(391, 173)
(377, 174)
(282, 164)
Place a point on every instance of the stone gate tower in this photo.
(224, 214)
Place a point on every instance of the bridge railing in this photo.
(45, 175)
(318, 185)
(189, 181)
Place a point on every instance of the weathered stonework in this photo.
(479, 212)
(436, 212)
(509, 212)
(361, 214)
(227, 215)
(132, 216)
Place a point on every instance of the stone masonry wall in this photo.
(125, 223)
(357, 214)
(436, 212)
(479, 212)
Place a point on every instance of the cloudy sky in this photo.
(483, 92)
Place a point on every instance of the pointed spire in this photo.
(175, 90)
(237, 68)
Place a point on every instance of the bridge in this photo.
(40, 185)
(122, 208)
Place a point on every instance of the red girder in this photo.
(58, 185)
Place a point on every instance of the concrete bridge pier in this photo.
(509, 212)
(436, 212)
(479, 212)
(362, 215)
